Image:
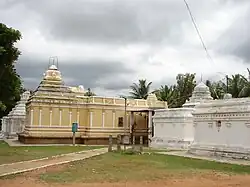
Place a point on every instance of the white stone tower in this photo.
(200, 94)
(14, 122)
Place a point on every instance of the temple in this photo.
(173, 127)
(53, 107)
(222, 128)
(205, 126)
(201, 126)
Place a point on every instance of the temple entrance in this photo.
(141, 125)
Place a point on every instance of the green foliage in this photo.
(2, 106)
(238, 86)
(140, 90)
(177, 95)
(129, 151)
(217, 89)
(167, 93)
(8, 52)
(245, 92)
(10, 83)
(185, 86)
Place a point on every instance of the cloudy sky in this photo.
(109, 44)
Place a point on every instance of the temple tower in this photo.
(14, 122)
(200, 94)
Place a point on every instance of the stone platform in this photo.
(209, 158)
(159, 142)
(221, 151)
(15, 143)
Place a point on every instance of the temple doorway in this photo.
(141, 125)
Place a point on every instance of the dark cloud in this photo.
(116, 21)
(124, 84)
(159, 23)
(90, 73)
(117, 84)
(109, 21)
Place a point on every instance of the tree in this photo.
(245, 92)
(89, 93)
(176, 95)
(217, 89)
(8, 52)
(236, 85)
(10, 83)
(184, 88)
(141, 90)
(166, 93)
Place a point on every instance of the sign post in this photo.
(74, 130)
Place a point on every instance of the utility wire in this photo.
(197, 30)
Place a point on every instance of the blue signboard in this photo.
(74, 127)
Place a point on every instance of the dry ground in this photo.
(198, 181)
(115, 169)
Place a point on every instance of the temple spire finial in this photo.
(52, 73)
(53, 60)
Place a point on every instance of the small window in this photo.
(218, 124)
(120, 122)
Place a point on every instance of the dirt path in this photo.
(208, 180)
(20, 167)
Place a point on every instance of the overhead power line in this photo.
(198, 32)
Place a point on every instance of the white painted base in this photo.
(12, 125)
(173, 128)
(1, 135)
(235, 152)
(170, 143)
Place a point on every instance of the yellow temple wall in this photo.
(101, 108)
(65, 117)
(108, 121)
(55, 116)
(84, 116)
(35, 115)
(96, 117)
(45, 116)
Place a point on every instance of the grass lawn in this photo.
(14, 154)
(114, 167)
